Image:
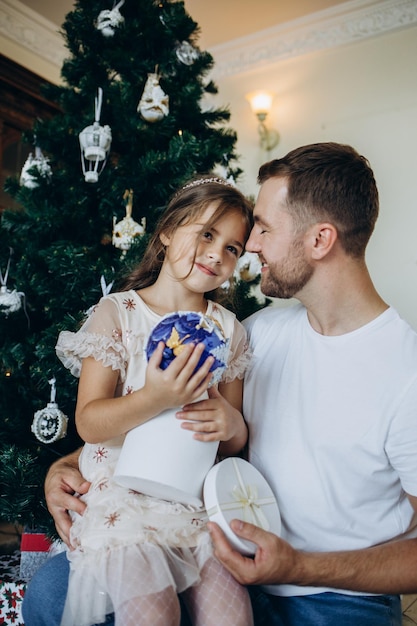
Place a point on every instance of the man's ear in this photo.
(324, 238)
(164, 239)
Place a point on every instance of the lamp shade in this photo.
(260, 101)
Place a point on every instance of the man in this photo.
(331, 403)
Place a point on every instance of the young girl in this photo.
(133, 553)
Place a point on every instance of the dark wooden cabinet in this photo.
(21, 102)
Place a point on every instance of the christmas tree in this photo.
(134, 126)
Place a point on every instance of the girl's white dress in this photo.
(124, 532)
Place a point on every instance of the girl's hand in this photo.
(214, 419)
(178, 384)
(100, 415)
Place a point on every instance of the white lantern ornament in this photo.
(108, 21)
(95, 142)
(154, 103)
(125, 231)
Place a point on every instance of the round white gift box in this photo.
(235, 489)
(161, 459)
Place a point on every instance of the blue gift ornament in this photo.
(178, 329)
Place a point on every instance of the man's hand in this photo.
(274, 562)
(62, 482)
(386, 568)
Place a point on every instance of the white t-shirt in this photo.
(333, 428)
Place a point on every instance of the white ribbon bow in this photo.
(247, 497)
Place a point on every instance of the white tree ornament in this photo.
(125, 231)
(95, 142)
(105, 290)
(108, 21)
(50, 424)
(186, 53)
(38, 163)
(10, 301)
(154, 103)
(248, 267)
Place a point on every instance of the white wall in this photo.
(363, 94)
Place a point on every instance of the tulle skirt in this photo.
(128, 544)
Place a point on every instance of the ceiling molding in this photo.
(349, 22)
(30, 30)
(343, 24)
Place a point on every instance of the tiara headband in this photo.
(203, 181)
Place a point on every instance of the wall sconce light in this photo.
(261, 102)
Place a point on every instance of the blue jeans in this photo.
(44, 600)
(325, 609)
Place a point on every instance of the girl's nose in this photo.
(215, 254)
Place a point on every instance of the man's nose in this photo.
(252, 244)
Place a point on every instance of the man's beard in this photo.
(286, 279)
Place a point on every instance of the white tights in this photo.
(218, 600)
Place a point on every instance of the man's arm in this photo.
(62, 482)
(387, 568)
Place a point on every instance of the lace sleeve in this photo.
(240, 354)
(99, 337)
